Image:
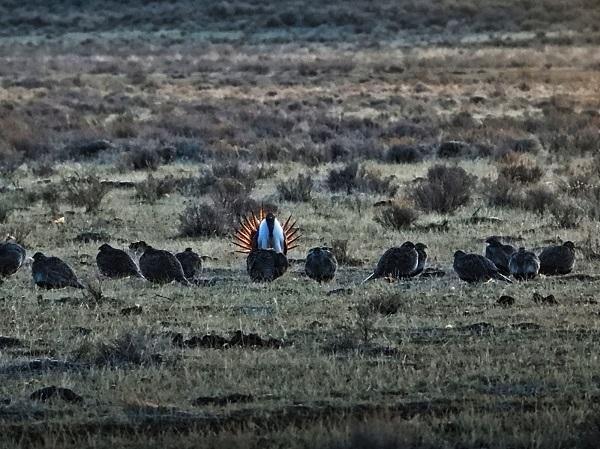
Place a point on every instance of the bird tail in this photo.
(78, 285)
(501, 277)
(371, 276)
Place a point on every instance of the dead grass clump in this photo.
(297, 189)
(396, 216)
(130, 348)
(353, 177)
(520, 170)
(339, 248)
(501, 192)
(453, 148)
(85, 191)
(566, 215)
(152, 189)
(539, 199)
(527, 145)
(445, 189)
(404, 154)
(203, 220)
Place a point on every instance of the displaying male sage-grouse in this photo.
(52, 272)
(420, 247)
(266, 242)
(397, 262)
(320, 264)
(476, 268)
(160, 266)
(524, 265)
(558, 259)
(499, 254)
(190, 261)
(12, 257)
(116, 263)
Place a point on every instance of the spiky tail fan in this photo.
(245, 237)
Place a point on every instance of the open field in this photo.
(120, 125)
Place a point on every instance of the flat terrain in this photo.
(158, 110)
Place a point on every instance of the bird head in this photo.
(38, 256)
(459, 253)
(493, 241)
(421, 246)
(104, 247)
(569, 244)
(188, 250)
(407, 245)
(521, 249)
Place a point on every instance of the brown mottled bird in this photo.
(320, 264)
(266, 265)
(190, 261)
(52, 272)
(12, 256)
(266, 242)
(558, 259)
(161, 267)
(499, 254)
(116, 263)
(524, 265)
(396, 262)
(476, 268)
(420, 247)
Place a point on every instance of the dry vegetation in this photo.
(440, 122)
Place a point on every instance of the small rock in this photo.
(223, 400)
(547, 300)
(133, 310)
(54, 392)
(505, 301)
(339, 291)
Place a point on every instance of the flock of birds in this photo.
(266, 242)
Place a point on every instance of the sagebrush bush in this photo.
(453, 148)
(539, 199)
(520, 170)
(396, 216)
(203, 220)
(566, 215)
(6, 207)
(404, 154)
(501, 192)
(227, 191)
(353, 177)
(143, 159)
(152, 189)
(85, 191)
(444, 190)
(297, 189)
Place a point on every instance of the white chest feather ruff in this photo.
(275, 241)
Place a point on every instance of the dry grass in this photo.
(276, 95)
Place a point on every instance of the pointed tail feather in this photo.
(501, 277)
(371, 276)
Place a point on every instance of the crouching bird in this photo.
(558, 259)
(12, 257)
(476, 268)
(52, 272)
(160, 266)
(320, 264)
(397, 263)
(115, 263)
(524, 265)
(266, 242)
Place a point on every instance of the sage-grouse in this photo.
(320, 264)
(190, 261)
(52, 272)
(160, 266)
(266, 242)
(116, 263)
(524, 265)
(12, 257)
(499, 254)
(476, 268)
(558, 259)
(266, 265)
(396, 262)
(420, 247)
